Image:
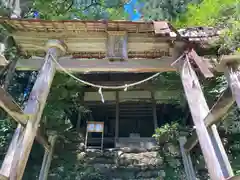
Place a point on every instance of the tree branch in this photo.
(70, 6)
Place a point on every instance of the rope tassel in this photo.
(126, 87)
(101, 94)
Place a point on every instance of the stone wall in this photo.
(124, 164)
(72, 162)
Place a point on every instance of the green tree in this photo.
(164, 10)
(222, 14)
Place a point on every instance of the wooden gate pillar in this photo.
(154, 111)
(35, 106)
(199, 110)
(48, 157)
(117, 119)
(187, 162)
(7, 164)
(220, 152)
(233, 77)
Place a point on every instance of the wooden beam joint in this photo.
(217, 113)
(203, 65)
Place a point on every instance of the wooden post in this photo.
(154, 108)
(35, 106)
(117, 118)
(80, 113)
(217, 113)
(9, 158)
(10, 74)
(79, 120)
(220, 152)
(187, 162)
(47, 158)
(233, 78)
(199, 110)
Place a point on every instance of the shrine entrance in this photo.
(118, 46)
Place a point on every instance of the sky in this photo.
(132, 9)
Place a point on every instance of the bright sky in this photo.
(132, 9)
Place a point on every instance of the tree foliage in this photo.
(222, 14)
(164, 10)
(77, 9)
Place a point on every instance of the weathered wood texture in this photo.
(104, 65)
(161, 27)
(220, 152)
(117, 45)
(117, 117)
(11, 107)
(187, 162)
(234, 178)
(7, 164)
(10, 74)
(34, 108)
(87, 37)
(3, 70)
(47, 159)
(75, 28)
(154, 108)
(217, 112)
(233, 77)
(93, 44)
(199, 110)
(203, 65)
(226, 60)
(2, 177)
(14, 110)
(91, 65)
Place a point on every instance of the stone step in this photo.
(137, 179)
(114, 172)
(101, 160)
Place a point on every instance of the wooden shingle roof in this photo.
(76, 26)
(87, 39)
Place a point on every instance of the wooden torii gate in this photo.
(116, 46)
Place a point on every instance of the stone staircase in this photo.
(124, 163)
(72, 162)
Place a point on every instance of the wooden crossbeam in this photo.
(14, 110)
(11, 107)
(220, 109)
(226, 60)
(234, 178)
(101, 65)
(2, 177)
(203, 65)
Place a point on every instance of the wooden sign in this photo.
(93, 126)
(117, 45)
